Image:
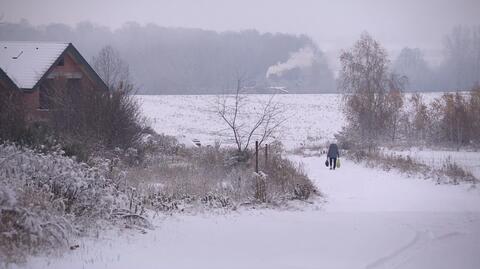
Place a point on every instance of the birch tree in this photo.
(368, 87)
(111, 68)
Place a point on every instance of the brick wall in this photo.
(3, 88)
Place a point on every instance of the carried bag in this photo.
(338, 163)
(326, 163)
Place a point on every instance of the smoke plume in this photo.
(299, 59)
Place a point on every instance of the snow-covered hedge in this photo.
(47, 198)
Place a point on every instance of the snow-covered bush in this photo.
(287, 176)
(449, 173)
(452, 171)
(47, 198)
(174, 177)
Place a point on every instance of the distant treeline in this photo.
(458, 70)
(165, 60)
(177, 60)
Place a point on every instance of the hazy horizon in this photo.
(310, 29)
(333, 26)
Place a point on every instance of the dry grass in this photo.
(215, 177)
(456, 173)
(450, 172)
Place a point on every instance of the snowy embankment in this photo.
(372, 219)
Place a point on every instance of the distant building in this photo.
(30, 67)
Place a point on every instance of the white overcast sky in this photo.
(332, 24)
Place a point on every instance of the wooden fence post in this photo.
(256, 156)
(266, 156)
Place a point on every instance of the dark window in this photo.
(73, 84)
(61, 62)
(73, 88)
(45, 98)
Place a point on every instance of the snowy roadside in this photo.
(373, 219)
(468, 160)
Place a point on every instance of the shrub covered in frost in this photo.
(174, 177)
(449, 173)
(47, 198)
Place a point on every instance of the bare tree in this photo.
(412, 64)
(248, 123)
(395, 100)
(454, 118)
(111, 68)
(462, 56)
(474, 113)
(87, 119)
(420, 117)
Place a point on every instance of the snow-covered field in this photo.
(311, 117)
(369, 219)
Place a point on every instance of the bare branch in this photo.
(246, 126)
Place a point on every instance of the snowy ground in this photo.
(311, 117)
(371, 218)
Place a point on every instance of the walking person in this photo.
(332, 155)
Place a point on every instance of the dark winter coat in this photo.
(333, 151)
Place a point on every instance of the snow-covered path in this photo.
(372, 219)
(355, 188)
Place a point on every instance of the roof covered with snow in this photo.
(26, 62)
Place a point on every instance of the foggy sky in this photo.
(333, 25)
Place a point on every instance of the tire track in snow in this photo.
(420, 241)
(385, 261)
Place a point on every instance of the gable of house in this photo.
(31, 67)
(6, 83)
(27, 64)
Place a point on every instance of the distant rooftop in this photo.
(26, 62)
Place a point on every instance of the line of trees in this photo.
(452, 119)
(378, 113)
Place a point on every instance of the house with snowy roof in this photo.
(30, 68)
